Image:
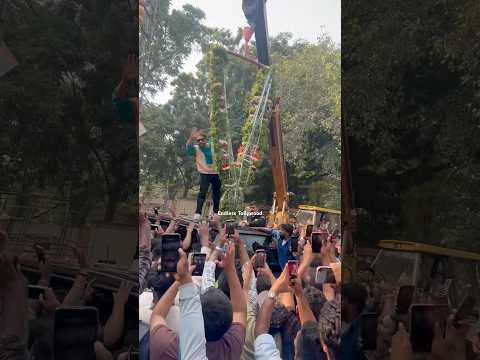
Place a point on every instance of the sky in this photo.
(305, 19)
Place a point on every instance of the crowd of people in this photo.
(238, 307)
(44, 319)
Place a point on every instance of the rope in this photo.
(261, 107)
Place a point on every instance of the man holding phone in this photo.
(203, 153)
(283, 239)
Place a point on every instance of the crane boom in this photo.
(279, 171)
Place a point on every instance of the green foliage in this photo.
(307, 81)
(166, 40)
(411, 75)
(59, 132)
(217, 59)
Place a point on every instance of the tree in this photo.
(411, 112)
(166, 40)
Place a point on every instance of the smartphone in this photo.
(317, 241)
(423, 318)
(465, 308)
(325, 275)
(169, 255)
(369, 324)
(309, 231)
(153, 226)
(230, 224)
(295, 244)
(260, 258)
(35, 291)
(292, 266)
(75, 332)
(198, 259)
(405, 298)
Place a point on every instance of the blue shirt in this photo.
(123, 108)
(349, 344)
(284, 249)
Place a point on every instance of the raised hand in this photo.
(123, 293)
(49, 302)
(228, 261)
(401, 347)
(82, 260)
(130, 71)
(173, 210)
(184, 271)
(282, 284)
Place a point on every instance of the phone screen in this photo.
(199, 261)
(295, 244)
(35, 291)
(292, 268)
(260, 258)
(169, 256)
(404, 298)
(317, 240)
(75, 332)
(309, 231)
(325, 275)
(368, 324)
(422, 325)
(230, 227)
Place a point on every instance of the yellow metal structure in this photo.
(411, 246)
(319, 209)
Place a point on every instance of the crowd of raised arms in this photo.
(247, 303)
(44, 319)
(264, 301)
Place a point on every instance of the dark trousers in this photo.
(205, 181)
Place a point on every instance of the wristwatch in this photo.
(271, 295)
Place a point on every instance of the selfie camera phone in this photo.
(309, 231)
(260, 258)
(423, 318)
(230, 224)
(198, 259)
(292, 266)
(317, 241)
(325, 275)
(169, 252)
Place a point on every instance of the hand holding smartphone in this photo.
(292, 267)
(325, 275)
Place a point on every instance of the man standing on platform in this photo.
(206, 167)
